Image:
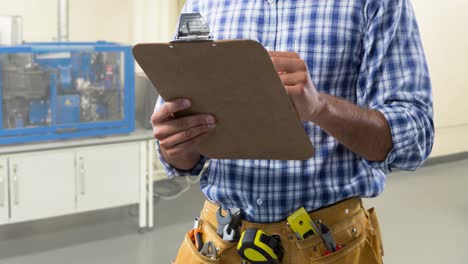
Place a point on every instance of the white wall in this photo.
(155, 20)
(90, 20)
(125, 21)
(443, 27)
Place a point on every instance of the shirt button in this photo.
(259, 201)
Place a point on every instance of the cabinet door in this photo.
(108, 176)
(41, 185)
(4, 213)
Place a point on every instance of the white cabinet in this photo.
(4, 212)
(107, 176)
(41, 185)
(52, 179)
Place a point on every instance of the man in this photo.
(357, 75)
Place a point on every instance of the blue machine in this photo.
(51, 91)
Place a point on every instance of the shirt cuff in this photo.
(402, 129)
(174, 172)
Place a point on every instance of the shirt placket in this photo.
(271, 25)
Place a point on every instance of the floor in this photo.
(424, 217)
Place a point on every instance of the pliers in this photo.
(209, 250)
(196, 235)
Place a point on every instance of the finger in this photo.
(291, 79)
(169, 108)
(297, 90)
(187, 145)
(183, 136)
(284, 54)
(171, 127)
(288, 65)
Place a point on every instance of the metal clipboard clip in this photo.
(192, 28)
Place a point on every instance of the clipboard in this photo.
(234, 80)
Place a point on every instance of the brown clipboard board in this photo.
(234, 80)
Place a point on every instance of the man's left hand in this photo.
(295, 76)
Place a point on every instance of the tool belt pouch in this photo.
(360, 242)
(188, 253)
(375, 234)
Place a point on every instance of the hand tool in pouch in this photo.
(328, 240)
(228, 225)
(301, 223)
(196, 234)
(209, 250)
(258, 247)
(223, 220)
(231, 231)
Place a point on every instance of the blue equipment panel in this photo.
(51, 91)
(68, 109)
(38, 112)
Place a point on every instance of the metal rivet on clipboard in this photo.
(192, 27)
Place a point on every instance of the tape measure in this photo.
(258, 247)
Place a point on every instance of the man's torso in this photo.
(328, 35)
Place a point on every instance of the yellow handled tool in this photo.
(301, 223)
(258, 247)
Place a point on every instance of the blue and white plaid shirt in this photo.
(366, 51)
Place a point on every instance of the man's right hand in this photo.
(179, 137)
